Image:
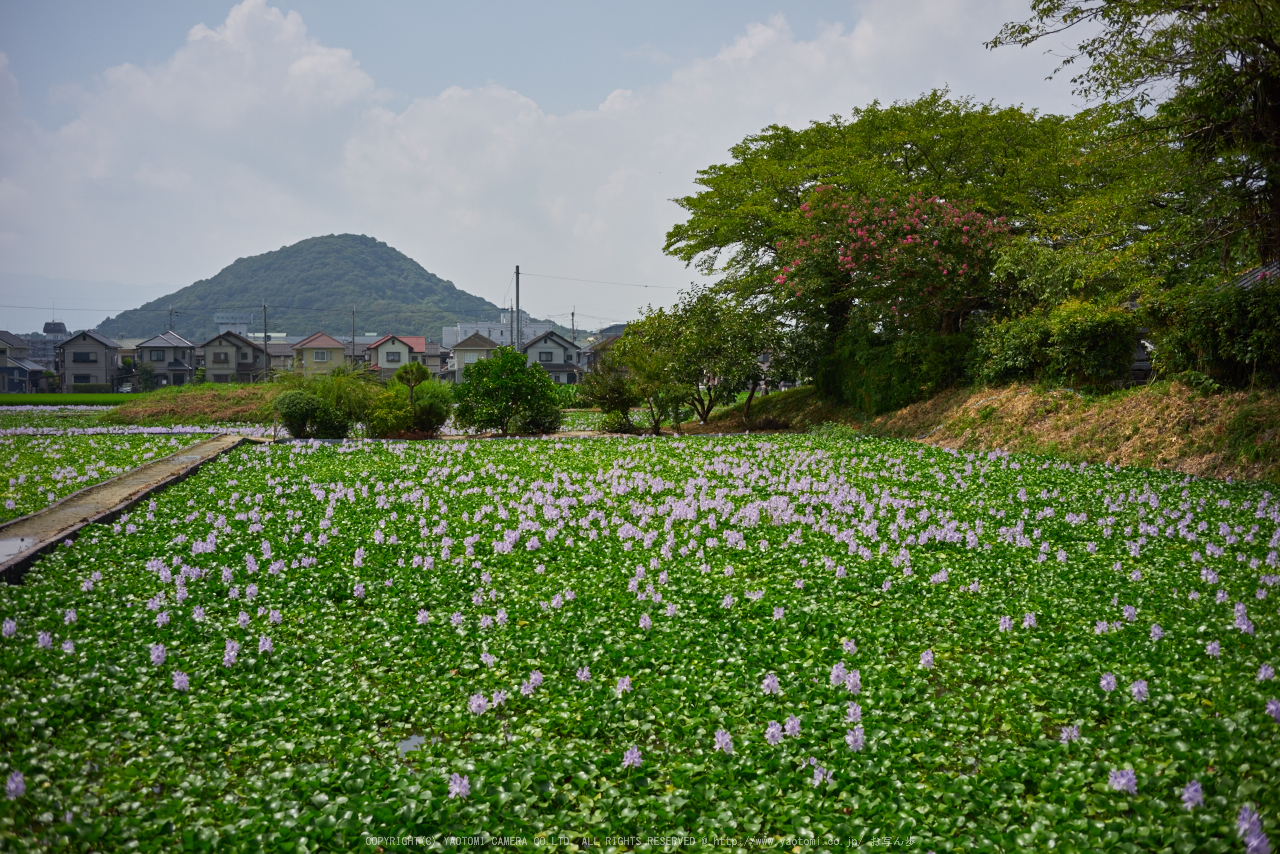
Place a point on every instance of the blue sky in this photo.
(144, 145)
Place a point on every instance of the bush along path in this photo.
(769, 637)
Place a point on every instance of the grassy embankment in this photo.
(1164, 425)
(67, 399)
(205, 403)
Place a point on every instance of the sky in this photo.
(147, 144)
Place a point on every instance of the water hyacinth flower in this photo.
(1108, 682)
(478, 704)
(358, 590)
(423, 616)
(853, 682)
(1249, 826)
(887, 584)
(645, 622)
(1070, 734)
(197, 614)
(499, 697)
(856, 738)
(1029, 620)
(926, 659)
(487, 659)
(9, 628)
(724, 742)
(1156, 632)
(16, 786)
(68, 646)
(1213, 649)
(1192, 795)
(728, 601)
(180, 681)
(535, 678)
(264, 644)
(456, 618)
(526, 688)
(44, 640)
(838, 672)
(631, 759)
(770, 685)
(157, 654)
(1100, 627)
(459, 786)
(1006, 623)
(69, 617)
(1139, 690)
(243, 620)
(275, 617)
(779, 613)
(1273, 709)
(623, 686)
(792, 726)
(1266, 672)
(850, 648)
(584, 674)
(671, 609)
(854, 713)
(230, 652)
(1123, 780)
(773, 732)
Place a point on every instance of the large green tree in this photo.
(1207, 73)
(507, 394)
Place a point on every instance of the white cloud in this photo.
(252, 135)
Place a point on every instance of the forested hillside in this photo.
(389, 291)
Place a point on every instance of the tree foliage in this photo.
(507, 394)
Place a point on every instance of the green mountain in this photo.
(310, 286)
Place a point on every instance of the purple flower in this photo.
(44, 640)
(243, 620)
(1249, 826)
(264, 644)
(723, 741)
(162, 619)
(853, 682)
(623, 686)
(70, 616)
(856, 738)
(1266, 672)
(838, 672)
(671, 609)
(773, 732)
(1213, 649)
(584, 674)
(230, 653)
(727, 601)
(535, 678)
(1139, 690)
(526, 689)
(499, 697)
(854, 713)
(487, 659)
(850, 648)
(1156, 632)
(1006, 623)
(645, 622)
(252, 591)
(1273, 709)
(770, 685)
(9, 629)
(1123, 780)
(157, 654)
(779, 613)
(799, 583)
(68, 646)
(16, 786)
(973, 588)
(1070, 734)
(887, 584)
(792, 726)
(180, 681)
(631, 759)
(926, 659)
(1108, 682)
(456, 618)
(1029, 621)
(478, 704)
(459, 786)
(1193, 795)
(1100, 627)
(423, 616)
(197, 614)
(358, 591)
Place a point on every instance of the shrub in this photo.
(608, 388)
(433, 406)
(1229, 333)
(389, 414)
(879, 374)
(306, 416)
(1011, 350)
(1090, 345)
(543, 415)
(505, 392)
(568, 396)
(618, 422)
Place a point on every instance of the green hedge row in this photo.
(1077, 343)
(1229, 333)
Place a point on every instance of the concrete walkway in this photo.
(24, 539)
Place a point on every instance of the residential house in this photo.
(467, 352)
(594, 348)
(232, 358)
(171, 356)
(88, 359)
(317, 354)
(556, 354)
(18, 374)
(390, 352)
(281, 353)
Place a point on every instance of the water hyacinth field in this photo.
(42, 469)
(760, 638)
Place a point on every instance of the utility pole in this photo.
(265, 352)
(516, 339)
(170, 318)
(353, 337)
(573, 322)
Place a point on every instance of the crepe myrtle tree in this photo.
(506, 393)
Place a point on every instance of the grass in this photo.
(67, 399)
(205, 403)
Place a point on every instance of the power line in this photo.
(602, 282)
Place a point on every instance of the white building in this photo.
(499, 331)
